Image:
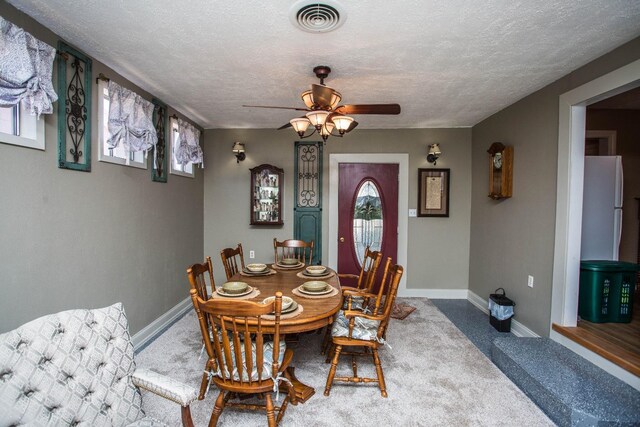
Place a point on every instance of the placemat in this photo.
(268, 273)
(254, 293)
(324, 276)
(327, 295)
(298, 311)
(278, 267)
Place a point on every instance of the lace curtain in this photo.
(130, 120)
(26, 67)
(189, 149)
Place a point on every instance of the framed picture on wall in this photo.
(433, 192)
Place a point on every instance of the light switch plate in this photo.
(413, 212)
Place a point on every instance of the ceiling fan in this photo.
(324, 113)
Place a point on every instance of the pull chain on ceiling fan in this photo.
(324, 113)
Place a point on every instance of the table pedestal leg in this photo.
(302, 391)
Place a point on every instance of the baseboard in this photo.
(479, 302)
(147, 334)
(517, 328)
(433, 293)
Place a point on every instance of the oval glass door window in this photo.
(368, 220)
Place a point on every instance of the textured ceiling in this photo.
(448, 63)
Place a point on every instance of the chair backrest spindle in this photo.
(291, 248)
(230, 262)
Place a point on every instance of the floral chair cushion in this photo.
(364, 329)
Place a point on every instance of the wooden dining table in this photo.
(316, 313)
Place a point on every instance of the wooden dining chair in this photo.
(353, 328)
(299, 249)
(240, 361)
(197, 274)
(230, 260)
(366, 278)
(363, 281)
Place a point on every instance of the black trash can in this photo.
(500, 311)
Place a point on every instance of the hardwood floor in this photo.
(616, 342)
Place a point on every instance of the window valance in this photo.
(130, 120)
(189, 149)
(26, 67)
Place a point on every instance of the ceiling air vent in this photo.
(317, 17)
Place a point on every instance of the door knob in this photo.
(342, 240)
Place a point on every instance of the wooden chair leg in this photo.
(187, 421)
(354, 366)
(204, 383)
(381, 383)
(283, 408)
(271, 419)
(330, 353)
(326, 340)
(332, 370)
(217, 410)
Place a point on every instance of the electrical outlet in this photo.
(530, 281)
(413, 212)
(252, 254)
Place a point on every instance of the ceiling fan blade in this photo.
(368, 109)
(351, 127)
(322, 95)
(288, 125)
(282, 108)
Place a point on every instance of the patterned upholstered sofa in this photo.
(76, 368)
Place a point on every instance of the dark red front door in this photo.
(367, 213)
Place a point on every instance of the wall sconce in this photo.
(238, 151)
(434, 153)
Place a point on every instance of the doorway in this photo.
(402, 160)
(367, 213)
(570, 180)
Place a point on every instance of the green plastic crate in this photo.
(606, 291)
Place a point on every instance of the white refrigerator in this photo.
(602, 208)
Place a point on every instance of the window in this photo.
(119, 154)
(19, 127)
(368, 221)
(177, 168)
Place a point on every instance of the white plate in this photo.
(326, 291)
(257, 273)
(222, 292)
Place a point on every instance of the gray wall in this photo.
(438, 248)
(81, 240)
(514, 238)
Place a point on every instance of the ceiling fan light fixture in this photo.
(307, 98)
(317, 118)
(326, 130)
(342, 123)
(335, 99)
(300, 125)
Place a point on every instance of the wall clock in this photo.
(500, 171)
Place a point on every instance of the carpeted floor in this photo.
(435, 377)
